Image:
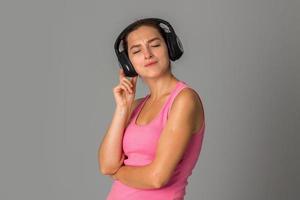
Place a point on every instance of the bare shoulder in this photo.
(188, 103)
(188, 97)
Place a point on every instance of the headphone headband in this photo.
(175, 48)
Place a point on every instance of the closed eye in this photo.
(152, 46)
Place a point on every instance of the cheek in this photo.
(137, 62)
(164, 56)
(163, 52)
(137, 59)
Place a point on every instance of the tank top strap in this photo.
(138, 108)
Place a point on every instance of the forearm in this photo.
(141, 177)
(110, 150)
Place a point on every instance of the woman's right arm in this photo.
(110, 152)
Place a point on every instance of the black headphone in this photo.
(174, 44)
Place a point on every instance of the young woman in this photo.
(153, 143)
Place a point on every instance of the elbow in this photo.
(159, 180)
(159, 184)
(110, 168)
(104, 171)
(107, 170)
(159, 175)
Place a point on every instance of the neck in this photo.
(161, 87)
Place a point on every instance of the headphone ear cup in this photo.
(170, 47)
(179, 48)
(175, 47)
(127, 65)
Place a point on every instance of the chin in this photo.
(155, 74)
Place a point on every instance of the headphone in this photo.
(175, 48)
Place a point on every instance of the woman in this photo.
(161, 134)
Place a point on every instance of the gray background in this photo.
(58, 69)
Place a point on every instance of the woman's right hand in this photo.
(124, 92)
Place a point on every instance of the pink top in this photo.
(139, 144)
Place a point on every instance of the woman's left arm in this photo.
(172, 144)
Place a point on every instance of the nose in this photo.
(147, 53)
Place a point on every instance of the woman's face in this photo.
(146, 45)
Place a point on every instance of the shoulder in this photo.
(188, 98)
(187, 108)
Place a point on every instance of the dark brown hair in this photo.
(138, 24)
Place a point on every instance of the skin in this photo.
(186, 115)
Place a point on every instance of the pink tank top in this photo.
(139, 145)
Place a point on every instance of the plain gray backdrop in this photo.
(58, 69)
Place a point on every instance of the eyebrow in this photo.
(137, 45)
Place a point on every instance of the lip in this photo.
(151, 63)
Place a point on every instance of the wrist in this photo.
(122, 109)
